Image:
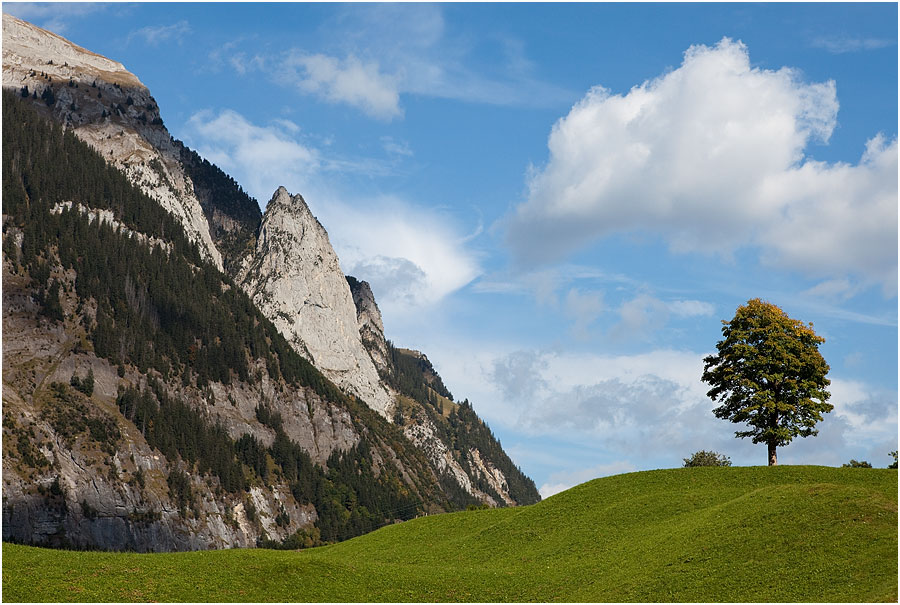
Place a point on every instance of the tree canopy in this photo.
(768, 373)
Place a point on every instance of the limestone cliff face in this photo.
(295, 278)
(109, 108)
(371, 328)
(424, 434)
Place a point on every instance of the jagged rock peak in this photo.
(371, 327)
(295, 278)
(366, 308)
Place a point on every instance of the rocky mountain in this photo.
(110, 109)
(295, 278)
(181, 371)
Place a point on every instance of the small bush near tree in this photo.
(856, 464)
(704, 458)
(894, 464)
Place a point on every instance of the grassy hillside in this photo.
(701, 534)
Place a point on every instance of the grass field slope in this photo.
(701, 534)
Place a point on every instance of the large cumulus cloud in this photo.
(712, 157)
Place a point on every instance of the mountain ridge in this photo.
(264, 395)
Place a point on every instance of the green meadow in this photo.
(784, 533)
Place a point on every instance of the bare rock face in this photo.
(371, 328)
(295, 278)
(425, 436)
(110, 109)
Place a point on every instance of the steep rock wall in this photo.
(295, 278)
(371, 327)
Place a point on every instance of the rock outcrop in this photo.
(371, 328)
(295, 278)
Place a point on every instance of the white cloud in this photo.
(711, 157)
(644, 315)
(259, 156)
(243, 64)
(430, 58)
(838, 219)
(369, 56)
(396, 148)
(617, 396)
(518, 374)
(156, 34)
(411, 256)
(691, 308)
(845, 44)
(358, 83)
(833, 289)
(640, 317)
(648, 410)
(583, 308)
(869, 414)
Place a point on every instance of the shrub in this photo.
(704, 458)
(855, 464)
(85, 385)
(49, 97)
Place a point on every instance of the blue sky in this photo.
(559, 203)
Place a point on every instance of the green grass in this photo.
(703, 534)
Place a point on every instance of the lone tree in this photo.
(768, 372)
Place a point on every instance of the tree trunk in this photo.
(773, 459)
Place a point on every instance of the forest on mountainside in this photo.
(460, 428)
(233, 216)
(173, 317)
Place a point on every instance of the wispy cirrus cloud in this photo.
(371, 56)
(351, 80)
(396, 148)
(154, 35)
(844, 44)
(53, 16)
